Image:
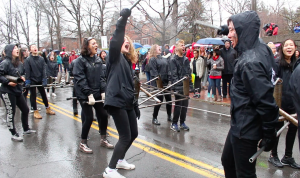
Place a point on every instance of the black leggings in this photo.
(289, 140)
(87, 117)
(126, 124)
(74, 100)
(180, 110)
(168, 106)
(11, 101)
(33, 96)
(197, 83)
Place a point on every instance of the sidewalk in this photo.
(203, 94)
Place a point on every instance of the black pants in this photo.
(74, 100)
(10, 102)
(168, 106)
(126, 124)
(50, 81)
(289, 140)
(25, 92)
(197, 83)
(180, 110)
(33, 96)
(226, 78)
(235, 157)
(88, 117)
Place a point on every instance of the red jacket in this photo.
(72, 58)
(190, 52)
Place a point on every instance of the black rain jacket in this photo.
(7, 68)
(254, 113)
(294, 85)
(285, 72)
(120, 87)
(159, 66)
(229, 56)
(35, 69)
(52, 69)
(178, 71)
(89, 77)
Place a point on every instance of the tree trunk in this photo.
(174, 22)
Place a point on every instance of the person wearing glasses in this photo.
(90, 87)
(11, 92)
(120, 102)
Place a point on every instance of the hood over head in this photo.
(8, 50)
(167, 51)
(247, 26)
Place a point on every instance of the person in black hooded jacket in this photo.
(159, 67)
(254, 113)
(52, 70)
(11, 92)
(120, 102)
(179, 68)
(295, 91)
(285, 65)
(90, 86)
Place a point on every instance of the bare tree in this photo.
(236, 6)
(22, 15)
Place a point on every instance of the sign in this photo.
(104, 42)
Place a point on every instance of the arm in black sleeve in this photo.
(102, 80)
(80, 77)
(174, 71)
(27, 69)
(44, 68)
(3, 71)
(56, 70)
(260, 89)
(117, 41)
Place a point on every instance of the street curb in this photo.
(211, 102)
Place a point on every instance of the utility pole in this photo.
(254, 5)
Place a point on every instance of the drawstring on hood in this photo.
(247, 29)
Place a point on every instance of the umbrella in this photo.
(172, 48)
(147, 46)
(143, 51)
(210, 41)
(188, 45)
(137, 45)
(57, 51)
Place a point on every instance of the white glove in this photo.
(103, 96)
(91, 99)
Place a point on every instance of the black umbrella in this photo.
(57, 51)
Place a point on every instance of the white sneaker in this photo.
(112, 173)
(48, 95)
(53, 94)
(122, 164)
(16, 138)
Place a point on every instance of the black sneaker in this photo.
(275, 161)
(155, 121)
(174, 127)
(290, 161)
(75, 112)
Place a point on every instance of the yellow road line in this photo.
(159, 148)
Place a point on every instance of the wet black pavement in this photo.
(157, 152)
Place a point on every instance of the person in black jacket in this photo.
(65, 61)
(159, 67)
(285, 67)
(120, 102)
(11, 92)
(52, 70)
(103, 58)
(180, 67)
(90, 86)
(23, 55)
(75, 110)
(35, 74)
(229, 55)
(295, 90)
(254, 113)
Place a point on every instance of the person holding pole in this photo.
(90, 87)
(120, 101)
(254, 113)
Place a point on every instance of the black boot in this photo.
(170, 118)
(75, 112)
(155, 121)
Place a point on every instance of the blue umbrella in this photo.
(210, 41)
(147, 46)
(143, 51)
(137, 45)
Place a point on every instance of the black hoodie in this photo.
(295, 86)
(254, 113)
(35, 69)
(7, 68)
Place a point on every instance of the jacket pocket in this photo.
(127, 94)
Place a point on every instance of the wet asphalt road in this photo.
(157, 152)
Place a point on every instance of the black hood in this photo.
(247, 26)
(8, 50)
(296, 63)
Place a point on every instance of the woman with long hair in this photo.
(217, 65)
(297, 54)
(23, 54)
(120, 102)
(102, 56)
(11, 92)
(90, 86)
(285, 64)
(159, 67)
